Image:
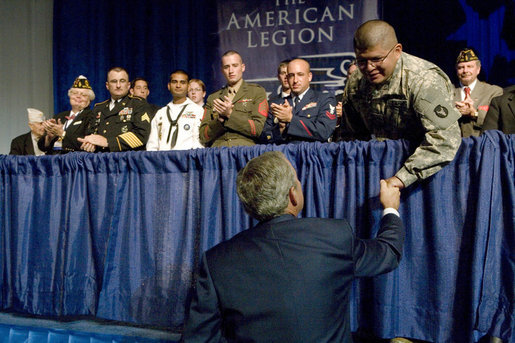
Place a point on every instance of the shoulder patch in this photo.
(441, 111)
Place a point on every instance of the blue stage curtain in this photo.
(24, 334)
(148, 38)
(119, 235)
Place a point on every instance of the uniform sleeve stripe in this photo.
(330, 116)
(305, 128)
(205, 133)
(252, 127)
(263, 108)
(131, 139)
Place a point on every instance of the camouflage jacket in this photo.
(245, 123)
(415, 103)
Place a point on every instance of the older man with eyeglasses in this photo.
(397, 95)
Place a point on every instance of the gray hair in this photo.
(91, 94)
(263, 185)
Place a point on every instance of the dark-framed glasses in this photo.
(374, 61)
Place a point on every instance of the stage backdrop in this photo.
(119, 235)
(267, 32)
(152, 38)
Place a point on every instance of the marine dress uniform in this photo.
(245, 123)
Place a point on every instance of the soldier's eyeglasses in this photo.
(375, 61)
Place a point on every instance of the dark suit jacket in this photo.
(501, 114)
(314, 119)
(22, 145)
(287, 280)
(77, 128)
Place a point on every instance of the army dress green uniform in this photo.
(126, 126)
(245, 123)
(415, 103)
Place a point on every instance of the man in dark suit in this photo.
(287, 279)
(501, 114)
(307, 115)
(62, 131)
(27, 144)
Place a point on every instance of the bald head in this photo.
(374, 33)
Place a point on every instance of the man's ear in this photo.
(292, 194)
(131, 90)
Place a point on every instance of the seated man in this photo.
(472, 97)
(139, 87)
(27, 144)
(235, 114)
(175, 126)
(120, 123)
(62, 131)
(396, 95)
(501, 113)
(307, 115)
(287, 279)
(282, 76)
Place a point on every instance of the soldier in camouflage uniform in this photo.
(235, 114)
(397, 95)
(120, 123)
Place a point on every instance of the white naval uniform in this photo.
(188, 126)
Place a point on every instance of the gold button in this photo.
(105, 131)
(309, 115)
(107, 123)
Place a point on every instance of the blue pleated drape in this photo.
(119, 235)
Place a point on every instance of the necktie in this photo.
(113, 104)
(296, 101)
(467, 92)
(232, 93)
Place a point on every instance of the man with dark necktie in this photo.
(306, 115)
(120, 123)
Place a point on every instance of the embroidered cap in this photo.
(466, 55)
(81, 82)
